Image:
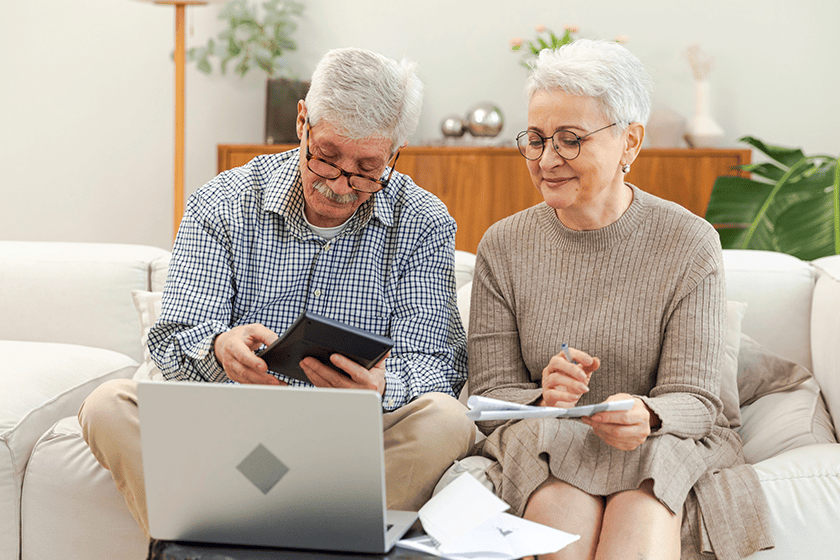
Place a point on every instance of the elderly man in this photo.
(330, 228)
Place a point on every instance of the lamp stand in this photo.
(180, 104)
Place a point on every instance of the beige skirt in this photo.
(725, 512)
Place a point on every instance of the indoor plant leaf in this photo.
(736, 201)
(252, 37)
(786, 156)
(793, 209)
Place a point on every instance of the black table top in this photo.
(169, 550)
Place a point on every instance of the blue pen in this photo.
(565, 349)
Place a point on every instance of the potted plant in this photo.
(790, 204)
(260, 39)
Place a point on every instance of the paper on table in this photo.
(483, 408)
(460, 526)
(508, 536)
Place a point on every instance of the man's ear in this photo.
(634, 136)
(300, 123)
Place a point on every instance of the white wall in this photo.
(86, 88)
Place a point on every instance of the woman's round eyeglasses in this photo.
(565, 142)
(327, 170)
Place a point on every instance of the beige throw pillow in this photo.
(729, 370)
(761, 372)
(148, 306)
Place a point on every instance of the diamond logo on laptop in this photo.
(262, 468)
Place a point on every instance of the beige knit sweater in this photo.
(646, 295)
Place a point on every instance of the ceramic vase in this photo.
(702, 130)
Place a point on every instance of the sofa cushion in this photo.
(70, 503)
(781, 421)
(802, 487)
(75, 293)
(160, 268)
(778, 289)
(825, 326)
(464, 267)
(40, 383)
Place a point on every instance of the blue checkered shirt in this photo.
(244, 254)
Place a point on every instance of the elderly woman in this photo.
(634, 284)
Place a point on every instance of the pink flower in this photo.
(622, 39)
(516, 43)
(541, 28)
(571, 28)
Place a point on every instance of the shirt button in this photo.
(391, 403)
(327, 247)
(318, 292)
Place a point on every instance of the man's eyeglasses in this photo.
(327, 170)
(565, 142)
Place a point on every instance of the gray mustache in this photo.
(327, 192)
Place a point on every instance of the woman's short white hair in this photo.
(366, 95)
(602, 70)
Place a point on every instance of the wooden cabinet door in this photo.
(482, 185)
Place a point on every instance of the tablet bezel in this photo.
(319, 337)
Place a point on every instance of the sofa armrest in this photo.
(41, 383)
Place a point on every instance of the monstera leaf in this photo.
(790, 204)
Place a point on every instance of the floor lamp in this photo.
(180, 63)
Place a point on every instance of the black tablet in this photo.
(317, 336)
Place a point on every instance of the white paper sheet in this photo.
(460, 507)
(466, 521)
(483, 408)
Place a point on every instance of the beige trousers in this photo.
(422, 439)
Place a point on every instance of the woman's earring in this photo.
(625, 168)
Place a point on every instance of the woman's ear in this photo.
(634, 136)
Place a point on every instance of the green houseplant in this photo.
(252, 39)
(260, 38)
(790, 204)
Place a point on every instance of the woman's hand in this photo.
(623, 429)
(564, 382)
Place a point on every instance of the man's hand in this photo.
(623, 429)
(235, 348)
(345, 373)
(564, 382)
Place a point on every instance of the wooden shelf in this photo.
(482, 185)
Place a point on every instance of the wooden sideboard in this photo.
(482, 185)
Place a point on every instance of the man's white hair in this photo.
(366, 95)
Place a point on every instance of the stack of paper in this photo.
(483, 408)
(466, 521)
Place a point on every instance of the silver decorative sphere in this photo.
(453, 126)
(485, 119)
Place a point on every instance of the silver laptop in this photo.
(266, 466)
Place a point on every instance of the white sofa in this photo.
(68, 322)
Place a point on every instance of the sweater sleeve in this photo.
(686, 394)
(496, 368)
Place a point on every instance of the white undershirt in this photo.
(326, 232)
